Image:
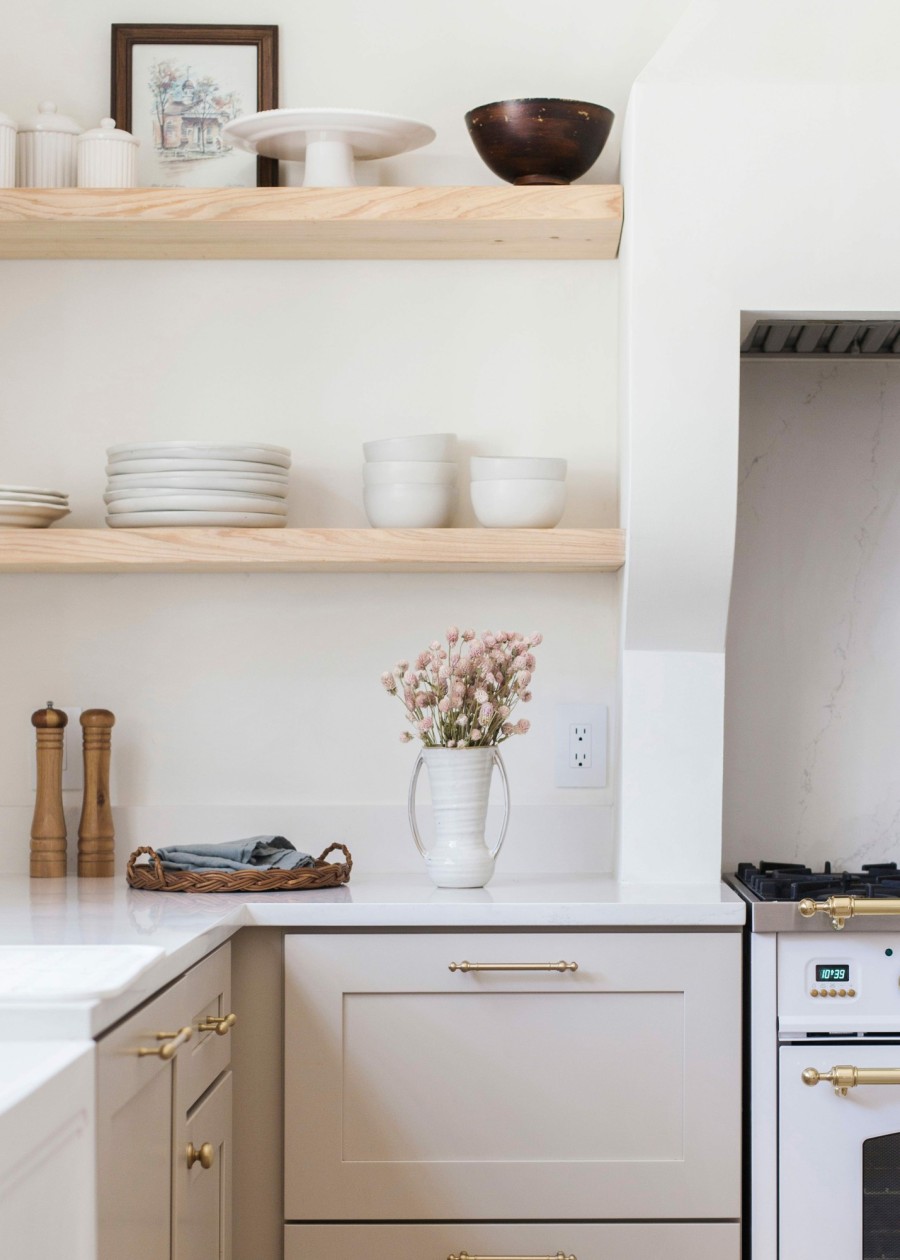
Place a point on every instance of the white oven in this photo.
(839, 1097)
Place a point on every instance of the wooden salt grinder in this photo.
(48, 828)
(96, 836)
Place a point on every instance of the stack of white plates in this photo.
(30, 507)
(197, 483)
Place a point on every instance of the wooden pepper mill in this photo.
(48, 828)
(96, 836)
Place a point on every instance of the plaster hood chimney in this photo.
(761, 172)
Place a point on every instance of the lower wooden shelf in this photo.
(193, 550)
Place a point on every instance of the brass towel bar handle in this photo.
(847, 1077)
(840, 909)
(464, 1255)
(172, 1043)
(219, 1025)
(470, 966)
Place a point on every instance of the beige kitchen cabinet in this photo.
(202, 1186)
(415, 1092)
(147, 1103)
(543, 1242)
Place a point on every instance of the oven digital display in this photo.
(836, 973)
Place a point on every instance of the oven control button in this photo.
(832, 992)
(823, 993)
(843, 993)
(851, 993)
(814, 993)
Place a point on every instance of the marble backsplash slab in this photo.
(812, 724)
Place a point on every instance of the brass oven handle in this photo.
(217, 1025)
(206, 1154)
(468, 966)
(840, 909)
(846, 1077)
(173, 1041)
(464, 1255)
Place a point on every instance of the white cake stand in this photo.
(328, 140)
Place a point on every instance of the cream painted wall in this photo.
(812, 717)
(249, 703)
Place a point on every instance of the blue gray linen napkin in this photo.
(259, 852)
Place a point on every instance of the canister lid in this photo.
(47, 119)
(108, 131)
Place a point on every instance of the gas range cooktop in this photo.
(785, 884)
(789, 881)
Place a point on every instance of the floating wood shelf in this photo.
(576, 221)
(192, 550)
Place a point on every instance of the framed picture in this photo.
(176, 86)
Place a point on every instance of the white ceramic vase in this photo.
(460, 780)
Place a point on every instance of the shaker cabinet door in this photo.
(202, 1181)
(417, 1092)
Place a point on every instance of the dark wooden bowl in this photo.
(539, 141)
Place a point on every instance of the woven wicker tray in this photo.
(151, 876)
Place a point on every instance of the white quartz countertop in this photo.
(181, 928)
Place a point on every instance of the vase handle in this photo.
(411, 804)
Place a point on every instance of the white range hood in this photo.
(761, 174)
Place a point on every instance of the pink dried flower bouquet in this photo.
(463, 696)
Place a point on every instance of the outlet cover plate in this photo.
(581, 745)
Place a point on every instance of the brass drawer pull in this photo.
(464, 1255)
(172, 1043)
(846, 1077)
(467, 966)
(217, 1025)
(206, 1154)
(840, 909)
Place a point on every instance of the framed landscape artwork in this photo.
(174, 87)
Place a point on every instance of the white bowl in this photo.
(519, 504)
(514, 468)
(409, 506)
(433, 447)
(422, 472)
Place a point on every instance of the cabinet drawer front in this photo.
(585, 1242)
(205, 993)
(414, 1092)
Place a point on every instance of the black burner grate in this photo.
(791, 881)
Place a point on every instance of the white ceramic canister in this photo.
(7, 152)
(46, 150)
(107, 157)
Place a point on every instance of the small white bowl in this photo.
(514, 468)
(433, 447)
(519, 504)
(408, 472)
(409, 506)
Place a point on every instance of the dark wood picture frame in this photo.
(265, 39)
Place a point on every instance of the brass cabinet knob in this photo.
(219, 1026)
(206, 1154)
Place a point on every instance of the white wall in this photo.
(761, 175)
(249, 703)
(813, 686)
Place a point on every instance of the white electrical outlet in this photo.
(73, 762)
(581, 744)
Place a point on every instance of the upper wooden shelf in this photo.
(576, 221)
(192, 550)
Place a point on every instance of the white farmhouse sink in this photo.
(70, 973)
